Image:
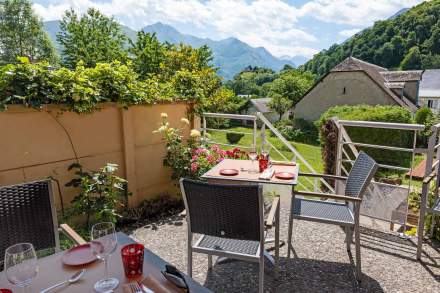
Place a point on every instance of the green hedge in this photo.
(79, 90)
(233, 137)
(388, 137)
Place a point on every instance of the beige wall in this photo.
(37, 144)
(359, 89)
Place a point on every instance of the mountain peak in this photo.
(231, 55)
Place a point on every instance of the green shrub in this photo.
(388, 137)
(233, 137)
(298, 130)
(424, 116)
(79, 90)
(100, 195)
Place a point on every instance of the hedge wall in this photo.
(388, 137)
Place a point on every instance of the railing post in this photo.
(338, 154)
(254, 141)
(204, 129)
(425, 190)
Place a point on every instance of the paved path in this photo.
(322, 263)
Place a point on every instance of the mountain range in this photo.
(230, 55)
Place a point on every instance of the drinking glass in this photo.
(104, 242)
(253, 156)
(21, 265)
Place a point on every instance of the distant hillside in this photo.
(231, 55)
(410, 39)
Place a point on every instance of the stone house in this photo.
(354, 82)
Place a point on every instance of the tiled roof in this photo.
(261, 105)
(395, 85)
(430, 84)
(376, 74)
(354, 64)
(402, 76)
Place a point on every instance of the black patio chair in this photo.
(342, 212)
(231, 221)
(28, 214)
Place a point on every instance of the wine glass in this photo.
(103, 244)
(253, 156)
(21, 265)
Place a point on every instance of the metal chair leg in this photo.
(277, 242)
(261, 276)
(348, 237)
(358, 252)
(289, 241)
(209, 261)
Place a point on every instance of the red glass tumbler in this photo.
(133, 260)
(263, 161)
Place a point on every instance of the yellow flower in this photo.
(195, 133)
(185, 121)
(164, 115)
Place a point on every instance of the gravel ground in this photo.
(321, 263)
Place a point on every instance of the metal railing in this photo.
(342, 155)
(265, 123)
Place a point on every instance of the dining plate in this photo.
(79, 255)
(229, 172)
(284, 175)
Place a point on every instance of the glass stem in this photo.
(27, 289)
(106, 268)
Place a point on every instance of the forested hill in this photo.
(408, 41)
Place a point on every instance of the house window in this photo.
(430, 102)
(344, 91)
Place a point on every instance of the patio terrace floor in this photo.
(321, 263)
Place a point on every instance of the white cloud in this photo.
(348, 33)
(268, 23)
(354, 12)
(272, 24)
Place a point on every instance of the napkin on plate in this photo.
(267, 174)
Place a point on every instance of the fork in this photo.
(135, 288)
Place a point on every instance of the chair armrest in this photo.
(429, 177)
(326, 195)
(271, 216)
(323, 176)
(69, 232)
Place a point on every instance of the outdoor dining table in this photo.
(246, 177)
(52, 271)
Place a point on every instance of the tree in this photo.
(412, 60)
(147, 53)
(279, 104)
(91, 38)
(292, 85)
(22, 34)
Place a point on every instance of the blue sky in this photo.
(285, 28)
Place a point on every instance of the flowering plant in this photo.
(204, 158)
(178, 152)
(191, 159)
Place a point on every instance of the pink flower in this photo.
(219, 160)
(210, 158)
(195, 158)
(215, 148)
(200, 151)
(194, 167)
